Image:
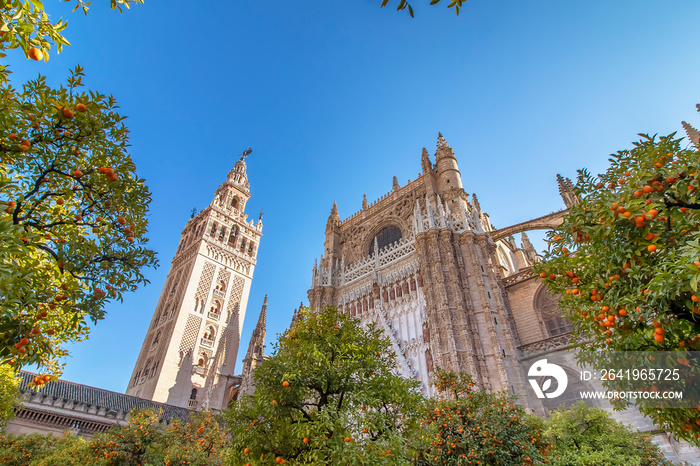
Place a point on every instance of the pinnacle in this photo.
(692, 133)
(441, 140)
(262, 320)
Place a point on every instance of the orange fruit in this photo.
(306, 440)
(35, 54)
(78, 174)
(543, 275)
(285, 384)
(68, 113)
(651, 248)
(659, 338)
(246, 451)
(82, 108)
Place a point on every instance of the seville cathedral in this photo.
(423, 262)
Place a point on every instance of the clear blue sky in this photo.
(335, 98)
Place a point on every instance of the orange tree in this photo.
(198, 441)
(72, 216)
(328, 396)
(626, 261)
(26, 25)
(470, 426)
(71, 206)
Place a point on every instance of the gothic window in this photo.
(222, 233)
(136, 379)
(215, 307)
(548, 308)
(243, 245)
(214, 227)
(155, 369)
(250, 248)
(385, 237)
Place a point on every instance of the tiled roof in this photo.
(98, 397)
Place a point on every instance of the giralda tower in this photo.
(189, 353)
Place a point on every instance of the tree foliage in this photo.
(626, 261)
(72, 210)
(26, 25)
(197, 442)
(9, 393)
(328, 396)
(470, 426)
(582, 436)
(72, 216)
(404, 5)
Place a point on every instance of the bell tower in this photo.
(189, 353)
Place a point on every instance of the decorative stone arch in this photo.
(391, 221)
(210, 332)
(546, 222)
(216, 306)
(551, 317)
(221, 285)
(504, 255)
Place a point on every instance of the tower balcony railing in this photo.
(207, 343)
(198, 370)
(213, 315)
(219, 294)
(192, 404)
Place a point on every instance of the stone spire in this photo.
(255, 354)
(425, 161)
(566, 190)
(475, 203)
(395, 184)
(333, 218)
(443, 150)
(529, 249)
(365, 205)
(692, 133)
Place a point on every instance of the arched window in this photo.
(210, 333)
(385, 237)
(215, 307)
(234, 202)
(193, 394)
(548, 308)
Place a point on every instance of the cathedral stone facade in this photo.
(189, 352)
(425, 263)
(450, 290)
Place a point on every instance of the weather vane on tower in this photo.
(246, 153)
